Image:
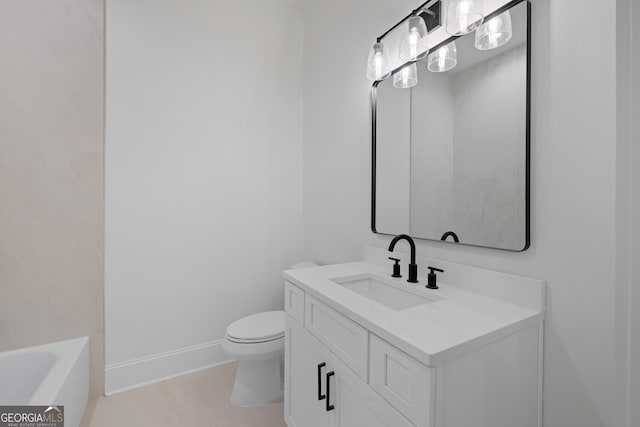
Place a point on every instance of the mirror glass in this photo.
(450, 155)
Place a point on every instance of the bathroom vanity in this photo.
(365, 349)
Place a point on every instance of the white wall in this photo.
(51, 174)
(624, 215)
(573, 187)
(630, 91)
(336, 123)
(634, 215)
(203, 176)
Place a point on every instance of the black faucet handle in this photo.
(396, 267)
(432, 279)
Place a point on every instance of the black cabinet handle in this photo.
(320, 395)
(330, 407)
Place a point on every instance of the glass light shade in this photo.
(378, 62)
(413, 43)
(443, 59)
(495, 32)
(406, 77)
(464, 16)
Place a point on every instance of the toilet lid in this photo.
(259, 327)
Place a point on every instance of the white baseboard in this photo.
(159, 367)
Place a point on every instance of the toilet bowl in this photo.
(257, 342)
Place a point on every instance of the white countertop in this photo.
(432, 333)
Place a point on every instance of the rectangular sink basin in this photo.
(382, 291)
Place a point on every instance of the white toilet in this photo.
(257, 341)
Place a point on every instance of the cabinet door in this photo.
(403, 381)
(356, 404)
(303, 356)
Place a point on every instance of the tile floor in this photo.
(198, 399)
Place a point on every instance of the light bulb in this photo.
(407, 77)
(462, 10)
(413, 42)
(464, 16)
(463, 7)
(443, 59)
(377, 63)
(494, 24)
(495, 32)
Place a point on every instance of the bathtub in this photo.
(50, 374)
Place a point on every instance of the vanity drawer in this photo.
(294, 301)
(403, 381)
(346, 339)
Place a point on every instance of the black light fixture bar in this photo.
(430, 12)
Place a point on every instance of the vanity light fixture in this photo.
(495, 32)
(443, 59)
(413, 43)
(407, 77)
(378, 62)
(464, 16)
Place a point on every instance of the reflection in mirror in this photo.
(451, 153)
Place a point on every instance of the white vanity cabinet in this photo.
(340, 373)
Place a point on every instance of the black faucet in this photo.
(413, 267)
(450, 234)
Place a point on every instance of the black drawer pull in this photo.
(330, 407)
(320, 395)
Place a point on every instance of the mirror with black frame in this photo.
(451, 154)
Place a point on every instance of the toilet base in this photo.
(258, 382)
